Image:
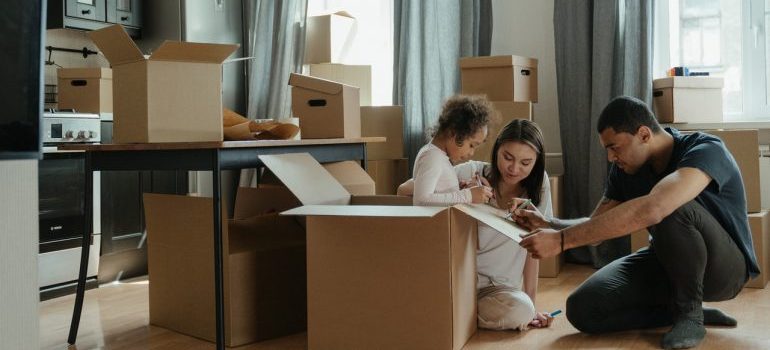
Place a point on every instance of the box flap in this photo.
(193, 52)
(306, 178)
(250, 202)
(689, 82)
(315, 84)
(352, 177)
(365, 210)
(342, 13)
(116, 45)
(494, 218)
(84, 73)
(497, 61)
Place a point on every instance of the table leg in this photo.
(218, 259)
(85, 250)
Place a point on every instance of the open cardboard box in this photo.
(384, 276)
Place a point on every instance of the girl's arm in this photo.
(428, 171)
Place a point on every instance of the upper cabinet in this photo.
(95, 14)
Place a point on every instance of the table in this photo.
(202, 156)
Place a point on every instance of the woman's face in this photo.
(515, 160)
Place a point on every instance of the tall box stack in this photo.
(504, 113)
(329, 37)
(359, 76)
(759, 223)
(385, 160)
(687, 99)
(550, 267)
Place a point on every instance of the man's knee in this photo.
(584, 311)
(684, 215)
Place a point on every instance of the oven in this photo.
(62, 203)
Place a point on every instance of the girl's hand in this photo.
(541, 320)
(481, 194)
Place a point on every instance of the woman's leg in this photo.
(503, 307)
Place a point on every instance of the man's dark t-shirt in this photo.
(724, 197)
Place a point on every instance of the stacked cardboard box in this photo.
(359, 76)
(550, 267)
(86, 90)
(385, 161)
(326, 109)
(688, 99)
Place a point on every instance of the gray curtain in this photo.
(430, 37)
(603, 50)
(275, 32)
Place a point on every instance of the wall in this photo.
(525, 28)
(18, 255)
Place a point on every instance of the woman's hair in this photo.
(463, 116)
(525, 131)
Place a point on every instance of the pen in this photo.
(553, 314)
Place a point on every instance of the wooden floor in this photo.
(116, 317)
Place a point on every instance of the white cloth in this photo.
(435, 180)
(505, 309)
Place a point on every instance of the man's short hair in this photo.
(627, 114)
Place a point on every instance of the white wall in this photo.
(19, 295)
(525, 28)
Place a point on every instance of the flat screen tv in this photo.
(21, 103)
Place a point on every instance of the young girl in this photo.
(507, 275)
(462, 126)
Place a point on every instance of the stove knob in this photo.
(81, 134)
(91, 134)
(68, 134)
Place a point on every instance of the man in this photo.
(688, 192)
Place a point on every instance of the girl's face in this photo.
(515, 160)
(461, 153)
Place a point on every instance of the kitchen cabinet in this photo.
(95, 14)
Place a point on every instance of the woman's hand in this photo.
(529, 218)
(541, 320)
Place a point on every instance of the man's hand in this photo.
(542, 243)
(529, 218)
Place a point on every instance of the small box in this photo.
(325, 109)
(744, 146)
(264, 266)
(759, 224)
(504, 113)
(86, 90)
(329, 37)
(687, 99)
(175, 95)
(388, 174)
(359, 76)
(387, 121)
(550, 267)
(501, 78)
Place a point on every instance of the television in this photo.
(21, 104)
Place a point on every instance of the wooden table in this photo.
(206, 156)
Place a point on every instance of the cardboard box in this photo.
(355, 179)
(387, 121)
(384, 276)
(759, 223)
(175, 95)
(388, 174)
(501, 78)
(550, 267)
(764, 181)
(687, 99)
(329, 37)
(504, 113)
(325, 109)
(86, 90)
(359, 76)
(264, 266)
(744, 146)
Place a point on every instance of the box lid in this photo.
(365, 210)
(497, 61)
(341, 13)
(116, 45)
(352, 177)
(493, 217)
(688, 82)
(193, 52)
(84, 73)
(306, 178)
(317, 84)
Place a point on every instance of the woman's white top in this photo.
(500, 260)
(435, 180)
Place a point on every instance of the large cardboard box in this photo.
(388, 174)
(329, 37)
(264, 266)
(175, 95)
(759, 224)
(387, 121)
(550, 267)
(86, 90)
(501, 78)
(504, 113)
(687, 99)
(384, 277)
(325, 109)
(359, 76)
(764, 181)
(353, 178)
(744, 146)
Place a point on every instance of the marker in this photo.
(553, 314)
(521, 206)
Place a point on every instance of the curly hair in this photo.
(463, 116)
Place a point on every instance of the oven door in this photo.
(62, 199)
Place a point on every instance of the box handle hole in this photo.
(79, 82)
(658, 93)
(317, 103)
(525, 72)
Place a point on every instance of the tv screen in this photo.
(21, 46)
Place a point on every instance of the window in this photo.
(724, 38)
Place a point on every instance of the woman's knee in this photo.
(505, 311)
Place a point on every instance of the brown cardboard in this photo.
(388, 174)
(175, 95)
(329, 37)
(550, 267)
(264, 266)
(759, 223)
(744, 146)
(688, 99)
(504, 113)
(86, 90)
(384, 276)
(325, 109)
(352, 177)
(387, 121)
(501, 78)
(359, 76)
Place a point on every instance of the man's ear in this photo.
(644, 133)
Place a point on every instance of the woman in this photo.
(507, 275)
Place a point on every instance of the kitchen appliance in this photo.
(63, 197)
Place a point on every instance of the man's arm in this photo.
(604, 205)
